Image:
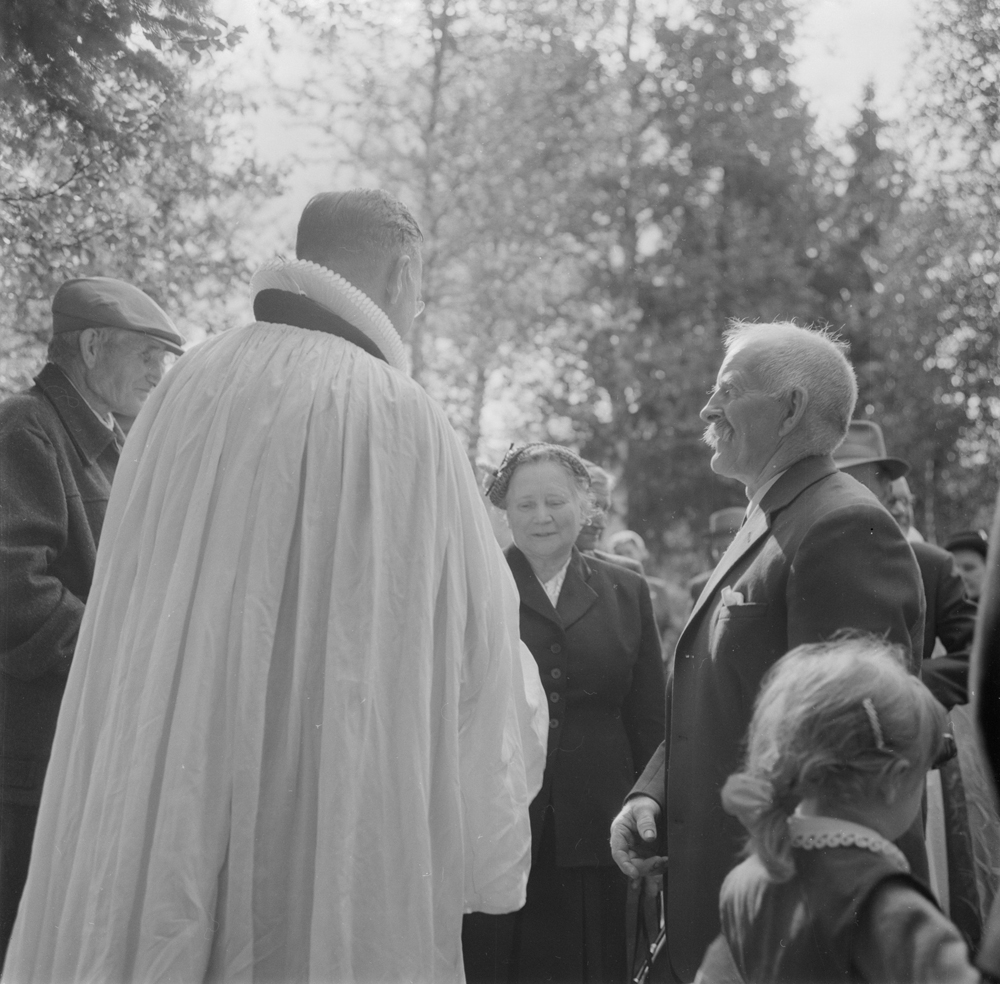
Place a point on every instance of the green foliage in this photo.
(941, 306)
(67, 58)
(710, 217)
(482, 122)
(163, 219)
(602, 189)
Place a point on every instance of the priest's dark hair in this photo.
(340, 228)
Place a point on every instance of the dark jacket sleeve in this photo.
(39, 616)
(642, 710)
(954, 621)
(653, 781)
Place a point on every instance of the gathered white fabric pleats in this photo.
(298, 739)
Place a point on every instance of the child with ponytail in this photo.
(838, 751)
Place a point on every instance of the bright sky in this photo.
(844, 43)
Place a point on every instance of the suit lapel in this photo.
(529, 587)
(786, 489)
(749, 534)
(577, 596)
(575, 599)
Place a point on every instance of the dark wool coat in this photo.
(951, 617)
(57, 461)
(822, 555)
(598, 656)
(985, 685)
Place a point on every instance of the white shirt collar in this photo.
(554, 584)
(754, 505)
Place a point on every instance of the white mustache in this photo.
(712, 434)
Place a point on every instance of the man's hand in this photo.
(633, 834)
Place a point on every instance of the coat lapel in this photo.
(89, 435)
(787, 488)
(749, 533)
(575, 599)
(528, 586)
(577, 596)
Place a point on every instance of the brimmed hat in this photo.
(103, 302)
(725, 522)
(969, 540)
(864, 445)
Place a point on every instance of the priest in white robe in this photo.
(298, 739)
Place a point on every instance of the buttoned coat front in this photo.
(821, 555)
(598, 656)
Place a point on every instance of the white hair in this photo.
(814, 359)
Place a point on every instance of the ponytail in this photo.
(753, 800)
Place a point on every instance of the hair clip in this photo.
(873, 720)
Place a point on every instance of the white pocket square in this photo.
(730, 598)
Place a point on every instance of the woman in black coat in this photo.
(589, 624)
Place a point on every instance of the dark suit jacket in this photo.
(951, 617)
(598, 655)
(823, 555)
(984, 675)
(56, 464)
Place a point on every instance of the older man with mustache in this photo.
(816, 554)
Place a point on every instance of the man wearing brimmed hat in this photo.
(950, 615)
(864, 456)
(59, 447)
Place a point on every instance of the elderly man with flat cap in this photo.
(59, 446)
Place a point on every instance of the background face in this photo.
(544, 511)
(129, 365)
(972, 567)
(900, 503)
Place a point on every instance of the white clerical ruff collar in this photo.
(333, 292)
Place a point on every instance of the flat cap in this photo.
(103, 302)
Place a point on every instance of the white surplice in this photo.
(298, 738)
